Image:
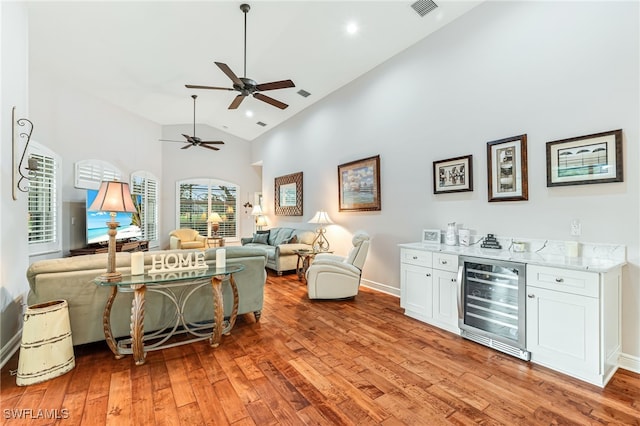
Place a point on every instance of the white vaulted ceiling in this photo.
(139, 55)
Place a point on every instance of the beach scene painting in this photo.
(97, 229)
(359, 185)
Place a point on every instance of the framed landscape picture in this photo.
(288, 195)
(587, 159)
(359, 185)
(453, 175)
(507, 169)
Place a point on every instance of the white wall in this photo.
(81, 127)
(13, 223)
(552, 70)
(231, 164)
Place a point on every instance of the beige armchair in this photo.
(337, 277)
(186, 238)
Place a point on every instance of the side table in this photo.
(305, 258)
(215, 242)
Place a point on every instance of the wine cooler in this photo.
(491, 304)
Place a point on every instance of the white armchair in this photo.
(337, 277)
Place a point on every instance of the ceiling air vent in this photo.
(422, 7)
(303, 93)
(260, 123)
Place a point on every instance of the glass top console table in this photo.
(178, 286)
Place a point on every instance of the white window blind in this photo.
(43, 202)
(90, 173)
(198, 198)
(144, 188)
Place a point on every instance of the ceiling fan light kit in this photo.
(194, 140)
(244, 85)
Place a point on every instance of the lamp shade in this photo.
(257, 210)
(321, 218)
(214, 218)
(261, 221)
(113, 196)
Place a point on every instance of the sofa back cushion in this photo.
(279, 236)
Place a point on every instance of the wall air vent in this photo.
(303, 93)
(260, 123)
(422, 7)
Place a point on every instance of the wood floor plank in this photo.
(232, 405)
(206, 398)
(141, 396)
(119, 409)
(354, 362)
(165, 412)
(180, 385)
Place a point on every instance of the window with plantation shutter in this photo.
(197, 198)
(43, 203)
(90, 173)
(144, 188)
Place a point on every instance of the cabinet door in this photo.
(562, 331)
(416, 291)
(445, 300)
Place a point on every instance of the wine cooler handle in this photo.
(460, 271)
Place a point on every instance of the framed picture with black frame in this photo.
(507, 169)
(582, 160)
(453, 175)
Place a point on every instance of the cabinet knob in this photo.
(428, 275)
(415, 257)
(443, 262)
(531, 296)
(559, 280)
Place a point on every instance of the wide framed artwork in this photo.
(288, 195)
(507, 169)
(453, 175)
(582, 160)
(359, 185)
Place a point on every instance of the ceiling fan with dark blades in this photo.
(244, 85)
(194, 140)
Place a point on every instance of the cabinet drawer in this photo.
(415, 257)
(565, 280)
(445, 262)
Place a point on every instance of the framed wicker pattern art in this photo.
(288, 195)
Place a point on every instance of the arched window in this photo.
(44, 201)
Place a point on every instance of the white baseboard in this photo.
(10, 348)
(629, 362)
(383, 288)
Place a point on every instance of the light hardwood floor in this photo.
(323, 362)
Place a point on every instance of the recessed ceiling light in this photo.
(249, 113)
(352, 27)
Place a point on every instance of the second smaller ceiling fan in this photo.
(194, 140)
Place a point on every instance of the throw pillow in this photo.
(261, 238)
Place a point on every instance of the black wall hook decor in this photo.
(32, 163)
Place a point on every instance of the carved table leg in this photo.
(137, 324)
(106, 323)
(218, 311)
(299, 270)
(234, 311)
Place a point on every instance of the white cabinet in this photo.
(428, 287)
(573, 321)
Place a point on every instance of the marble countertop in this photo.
(600, 257)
